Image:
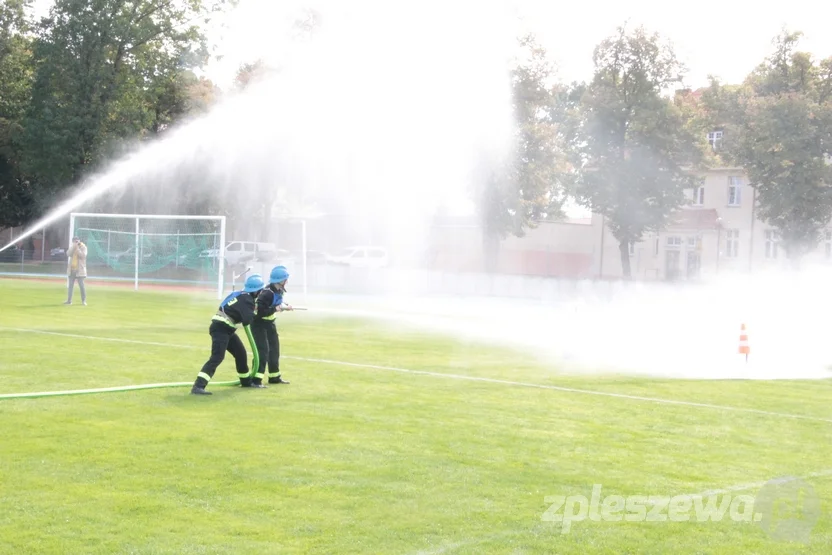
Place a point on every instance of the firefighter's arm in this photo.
(280, 305)
(264, 301)
(246, 313)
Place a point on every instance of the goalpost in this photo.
(153, 249)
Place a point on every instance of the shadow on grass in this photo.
(219, 392)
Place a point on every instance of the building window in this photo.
(699, 196)
(714, 138)
(695, 243)
(771, 244)
(632, 248)
(674, 242)
(734, 191)
(732, 243)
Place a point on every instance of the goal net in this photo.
(187, 250)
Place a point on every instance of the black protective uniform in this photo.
(264, 331)
(237, 308)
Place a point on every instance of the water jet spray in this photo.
(388, 147)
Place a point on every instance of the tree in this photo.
(635, 150)
(103, 69)
(17, 199)
(250, 73)
(530, 184)
(180, 96)
(779, 129)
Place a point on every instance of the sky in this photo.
(726, 38)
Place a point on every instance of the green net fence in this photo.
(159, 249)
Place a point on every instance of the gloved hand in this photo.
(286, 307)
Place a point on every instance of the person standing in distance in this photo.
(264, 327)
(237, 308)
(76, 269)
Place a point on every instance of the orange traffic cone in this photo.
(745, 349)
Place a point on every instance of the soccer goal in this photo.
(153, 249)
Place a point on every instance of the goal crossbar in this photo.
(147, 216)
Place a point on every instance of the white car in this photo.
(242, 252)
(362, 257)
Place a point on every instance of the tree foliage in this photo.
(778, 127)
(17, 202)
(250, 73)
(634, 146)
(107, 70)
(530, 185)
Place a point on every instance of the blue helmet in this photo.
(279, 275)
(254, 283)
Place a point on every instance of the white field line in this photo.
(451, 547)
(757, 485)
(455, 377)
(565, 389)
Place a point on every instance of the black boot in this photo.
(195, 390)
(278, 380)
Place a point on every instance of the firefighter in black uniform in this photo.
(237, 308)
(264, 329)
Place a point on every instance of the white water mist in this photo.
(386, 111)
(663, 330)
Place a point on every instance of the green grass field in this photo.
(355, 458)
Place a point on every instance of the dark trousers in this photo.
(268, 348)
(224, 338)
(72, 278)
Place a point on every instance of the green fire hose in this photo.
(255, 363)
(37, 394)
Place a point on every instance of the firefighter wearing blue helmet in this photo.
(264, 328)
(236, 309)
